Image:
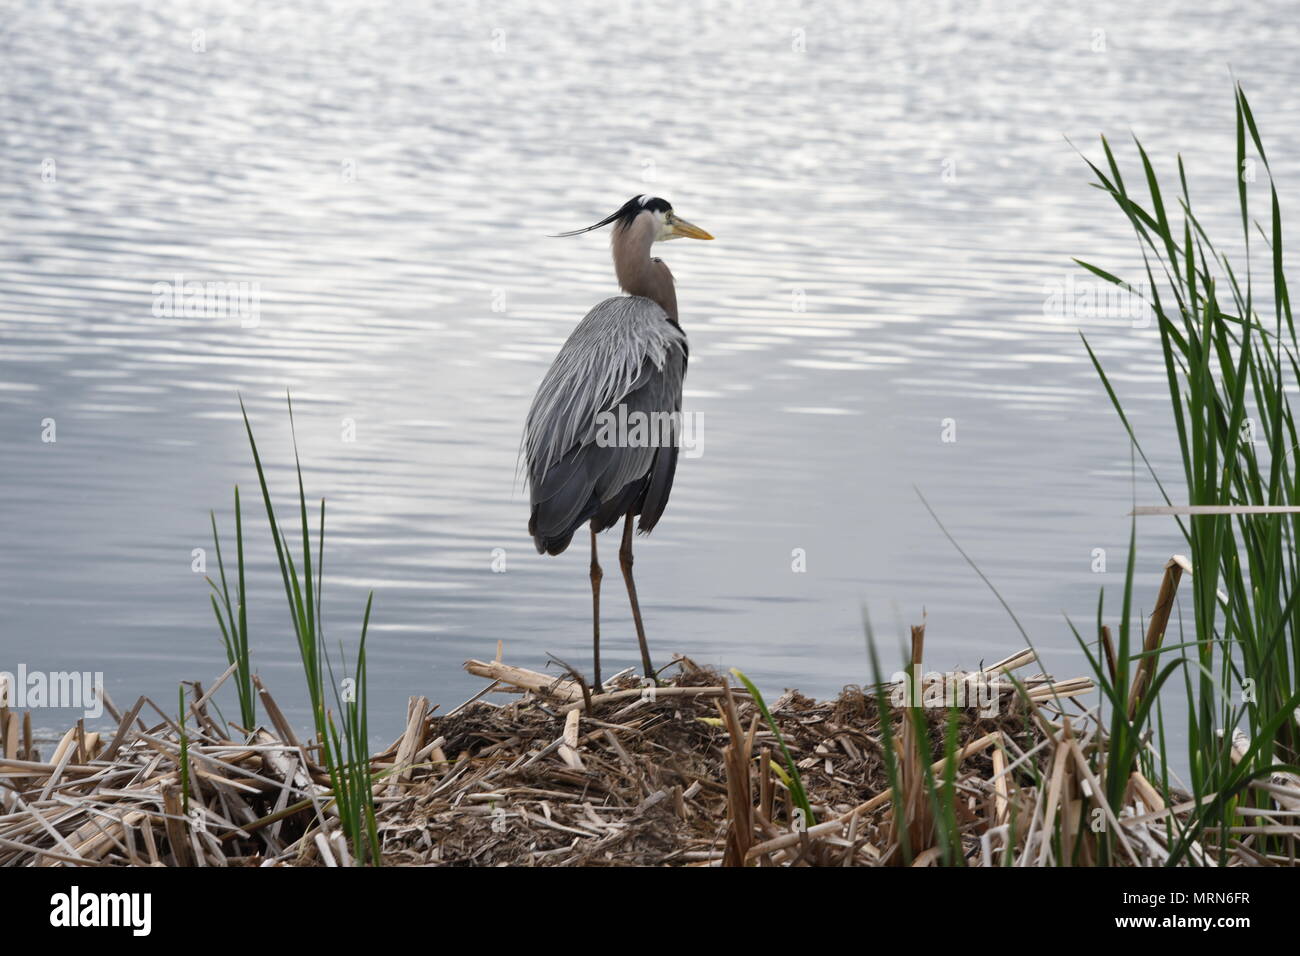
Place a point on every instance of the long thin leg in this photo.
(625, 561)
(596, 575)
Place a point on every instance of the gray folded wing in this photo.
(627, 359)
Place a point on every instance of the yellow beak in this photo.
(685, 229)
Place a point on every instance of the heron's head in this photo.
(656, 213)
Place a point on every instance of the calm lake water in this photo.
(895, 204)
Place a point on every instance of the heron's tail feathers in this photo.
(548, 543)
(552, 536)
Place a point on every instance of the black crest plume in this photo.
(625, 214)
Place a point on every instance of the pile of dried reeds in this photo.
(203, 793)
(687, 772)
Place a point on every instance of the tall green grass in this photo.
(791, 776)
(234, 625)
(354, 783)
(939, 795)
(1228, 371)
(344, 749)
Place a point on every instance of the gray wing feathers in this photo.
(625, 352)
(601, 362)
(661, 484)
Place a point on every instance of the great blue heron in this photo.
(624, 362)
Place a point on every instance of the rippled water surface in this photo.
(895, 203)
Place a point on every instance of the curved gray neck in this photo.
(638, 273)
